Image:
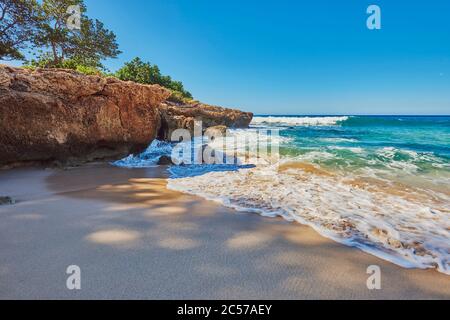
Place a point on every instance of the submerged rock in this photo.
(6, 201)
(165, 161)
(216, 131)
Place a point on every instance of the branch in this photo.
(8, 26)
(4, 10)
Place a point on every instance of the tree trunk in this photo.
(55, 54)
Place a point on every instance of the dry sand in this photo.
(134, 239)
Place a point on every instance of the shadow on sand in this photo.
(180, 246)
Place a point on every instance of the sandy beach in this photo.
(134, 239)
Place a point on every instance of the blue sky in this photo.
(292, 57)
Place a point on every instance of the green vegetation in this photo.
(46, 61)
(58, 45)
(88, 46)
(19, 20)
(42, 28)
(143, 72)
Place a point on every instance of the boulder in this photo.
(176, 116)
(6, 201)
(215, 132)
(165, 161)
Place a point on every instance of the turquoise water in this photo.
(418, 144)
(410, 149)
(379, 183)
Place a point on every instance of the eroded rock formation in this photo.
(61, 115)
(49, 115)
(175, 116)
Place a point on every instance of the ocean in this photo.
(378, 183)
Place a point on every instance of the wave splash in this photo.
(148, 158)
(388, 201)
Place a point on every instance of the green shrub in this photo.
(179, 97)
(91, 71)
(47, 62)
(143, 72)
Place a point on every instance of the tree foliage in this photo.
(144, 72)
(89, 45)
(43, 27)
(19, 20)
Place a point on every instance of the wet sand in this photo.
(134, 239)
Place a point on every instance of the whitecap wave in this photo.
(298, 121)
(409, 227)
(358, 150)
(148, 158)
(239, 146)
(338, 140)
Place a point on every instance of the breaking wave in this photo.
(380, 188)
(148, 158)
(298, 121)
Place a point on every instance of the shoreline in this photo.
(135, 239)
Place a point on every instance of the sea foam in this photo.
(404, 231)
(148, 158)
(389, 201)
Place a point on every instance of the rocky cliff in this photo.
(49, 115)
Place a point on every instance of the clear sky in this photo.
(292, 57)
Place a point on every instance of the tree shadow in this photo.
(192, 248)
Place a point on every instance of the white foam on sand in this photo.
(298, 121)
(406, 232)
(411, 230)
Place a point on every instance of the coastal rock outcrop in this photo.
(59, 115)
(175, 116)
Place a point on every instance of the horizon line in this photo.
(351, 115)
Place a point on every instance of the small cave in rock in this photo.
(163, 131)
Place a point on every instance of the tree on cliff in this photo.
(144, 72)
(86, 45)
(19, 20)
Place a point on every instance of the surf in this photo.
(376, 183)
